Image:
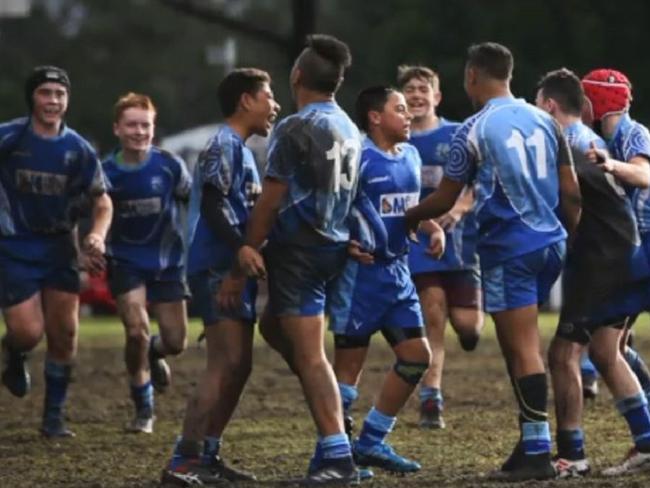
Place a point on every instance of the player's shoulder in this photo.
(76, 141)
(13, 126)
(166, 157)
(223, 143)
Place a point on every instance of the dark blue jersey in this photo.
(228, 165)
(510, 150)
(460, 250)
(43, 181)
(633, 139)
(146, 231)
(389, 184)
(316, 152)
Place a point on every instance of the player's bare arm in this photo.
(635, 172)
(436, 204)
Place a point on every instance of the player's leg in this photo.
(634, 359)
(269, 327)
(512, 291)
(465, 304)
(61, 314)
(20, 299)
(433, 300)
(24, 325)
(630, 399)
(229, 338)
(589, 377)
(565, 351)
(168, 303)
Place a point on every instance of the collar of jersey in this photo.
(425, 132)
(128, 167)
(368, 143)
(329, 105)
(503, 100)
(62, 132)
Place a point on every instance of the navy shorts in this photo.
(54, 265)
(205, 284)
(163, 286)
(462, 288)
(523, 280)
(300, 278)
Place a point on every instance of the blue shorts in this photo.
(523, 280)
(204, 286)
(300, 278)
(369, 298)
(166, 285)
(54, 265)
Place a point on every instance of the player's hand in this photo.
(230, 292)
(411, 223)
(437, 241)
(600, 157)
(449, 220)
(93, 263)
(251, 262)
(355, 250)
(94, 244)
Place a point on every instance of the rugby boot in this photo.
(384, 456)
(328, 472)
(218, 467)
(140, 425)
(161, 374)
(191, 472)
(526, 467)
(14, 373)
(431, 415)
(54, 427)
(571, 468)
(634, 462)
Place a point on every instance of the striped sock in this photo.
(142, 396)
(375, 429)
(349, 394)
(635, 411)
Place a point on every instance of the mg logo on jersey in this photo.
(442, 150)
(396, 204)
(69, 157)
(157, 184)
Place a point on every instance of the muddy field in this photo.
(272, 434)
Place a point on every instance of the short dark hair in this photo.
(371, 98)
(563, 86)
(235, 84)
(406, 73)
(491, 58)
(323, 62)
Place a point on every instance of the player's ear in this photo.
(295, 76)
(115, 132)
(437, 97)
(245, 101)
(374, 118)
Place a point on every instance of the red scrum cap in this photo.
(609, 92)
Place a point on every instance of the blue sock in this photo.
(211, 446)
(640, 369)
(535, 437)
(57, 378)
(571, 444)
(587, 368)
(142, 397)
(184, 450)
(429, 393)
(349, 394)
(635, 411)
(375, 429)
(335, 446)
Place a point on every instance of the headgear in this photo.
(44, 74)
(609, 92)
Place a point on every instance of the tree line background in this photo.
(173, 50)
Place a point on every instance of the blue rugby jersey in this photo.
(460, 251)
(389, 184)
(146, 231)
(229, 165)
(43, 182)
(509, 150)
(316, 152)
(633, 139)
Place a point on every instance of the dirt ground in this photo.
(272, 434)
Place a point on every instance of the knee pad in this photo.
(410, 372)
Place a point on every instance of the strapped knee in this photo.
(410, 372)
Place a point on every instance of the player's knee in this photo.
(175, 344)
(410, 372)
(137, 336)
(604, 358)
(26, 338)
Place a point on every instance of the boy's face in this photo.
(50, 103)
(135, 129)
(422, 97)
(395, 120)
(262, 108)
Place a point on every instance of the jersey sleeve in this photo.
(461, 164)
(93, 179)
(216, 165)
(638, 143)
(183, 180)
(284, 153)
(564, 154)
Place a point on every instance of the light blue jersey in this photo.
(316, 152)
(146, 231)
(509, 150)
(580, 137)
(633, 139)
(229, 165)
(460, 250)
(389, 184)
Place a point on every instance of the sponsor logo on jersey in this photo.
(157, 184)
(442, 150)
(40, 183)
(357, 324)
(431, 176)
(141, 207)
(69, 157)
(395, 204)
